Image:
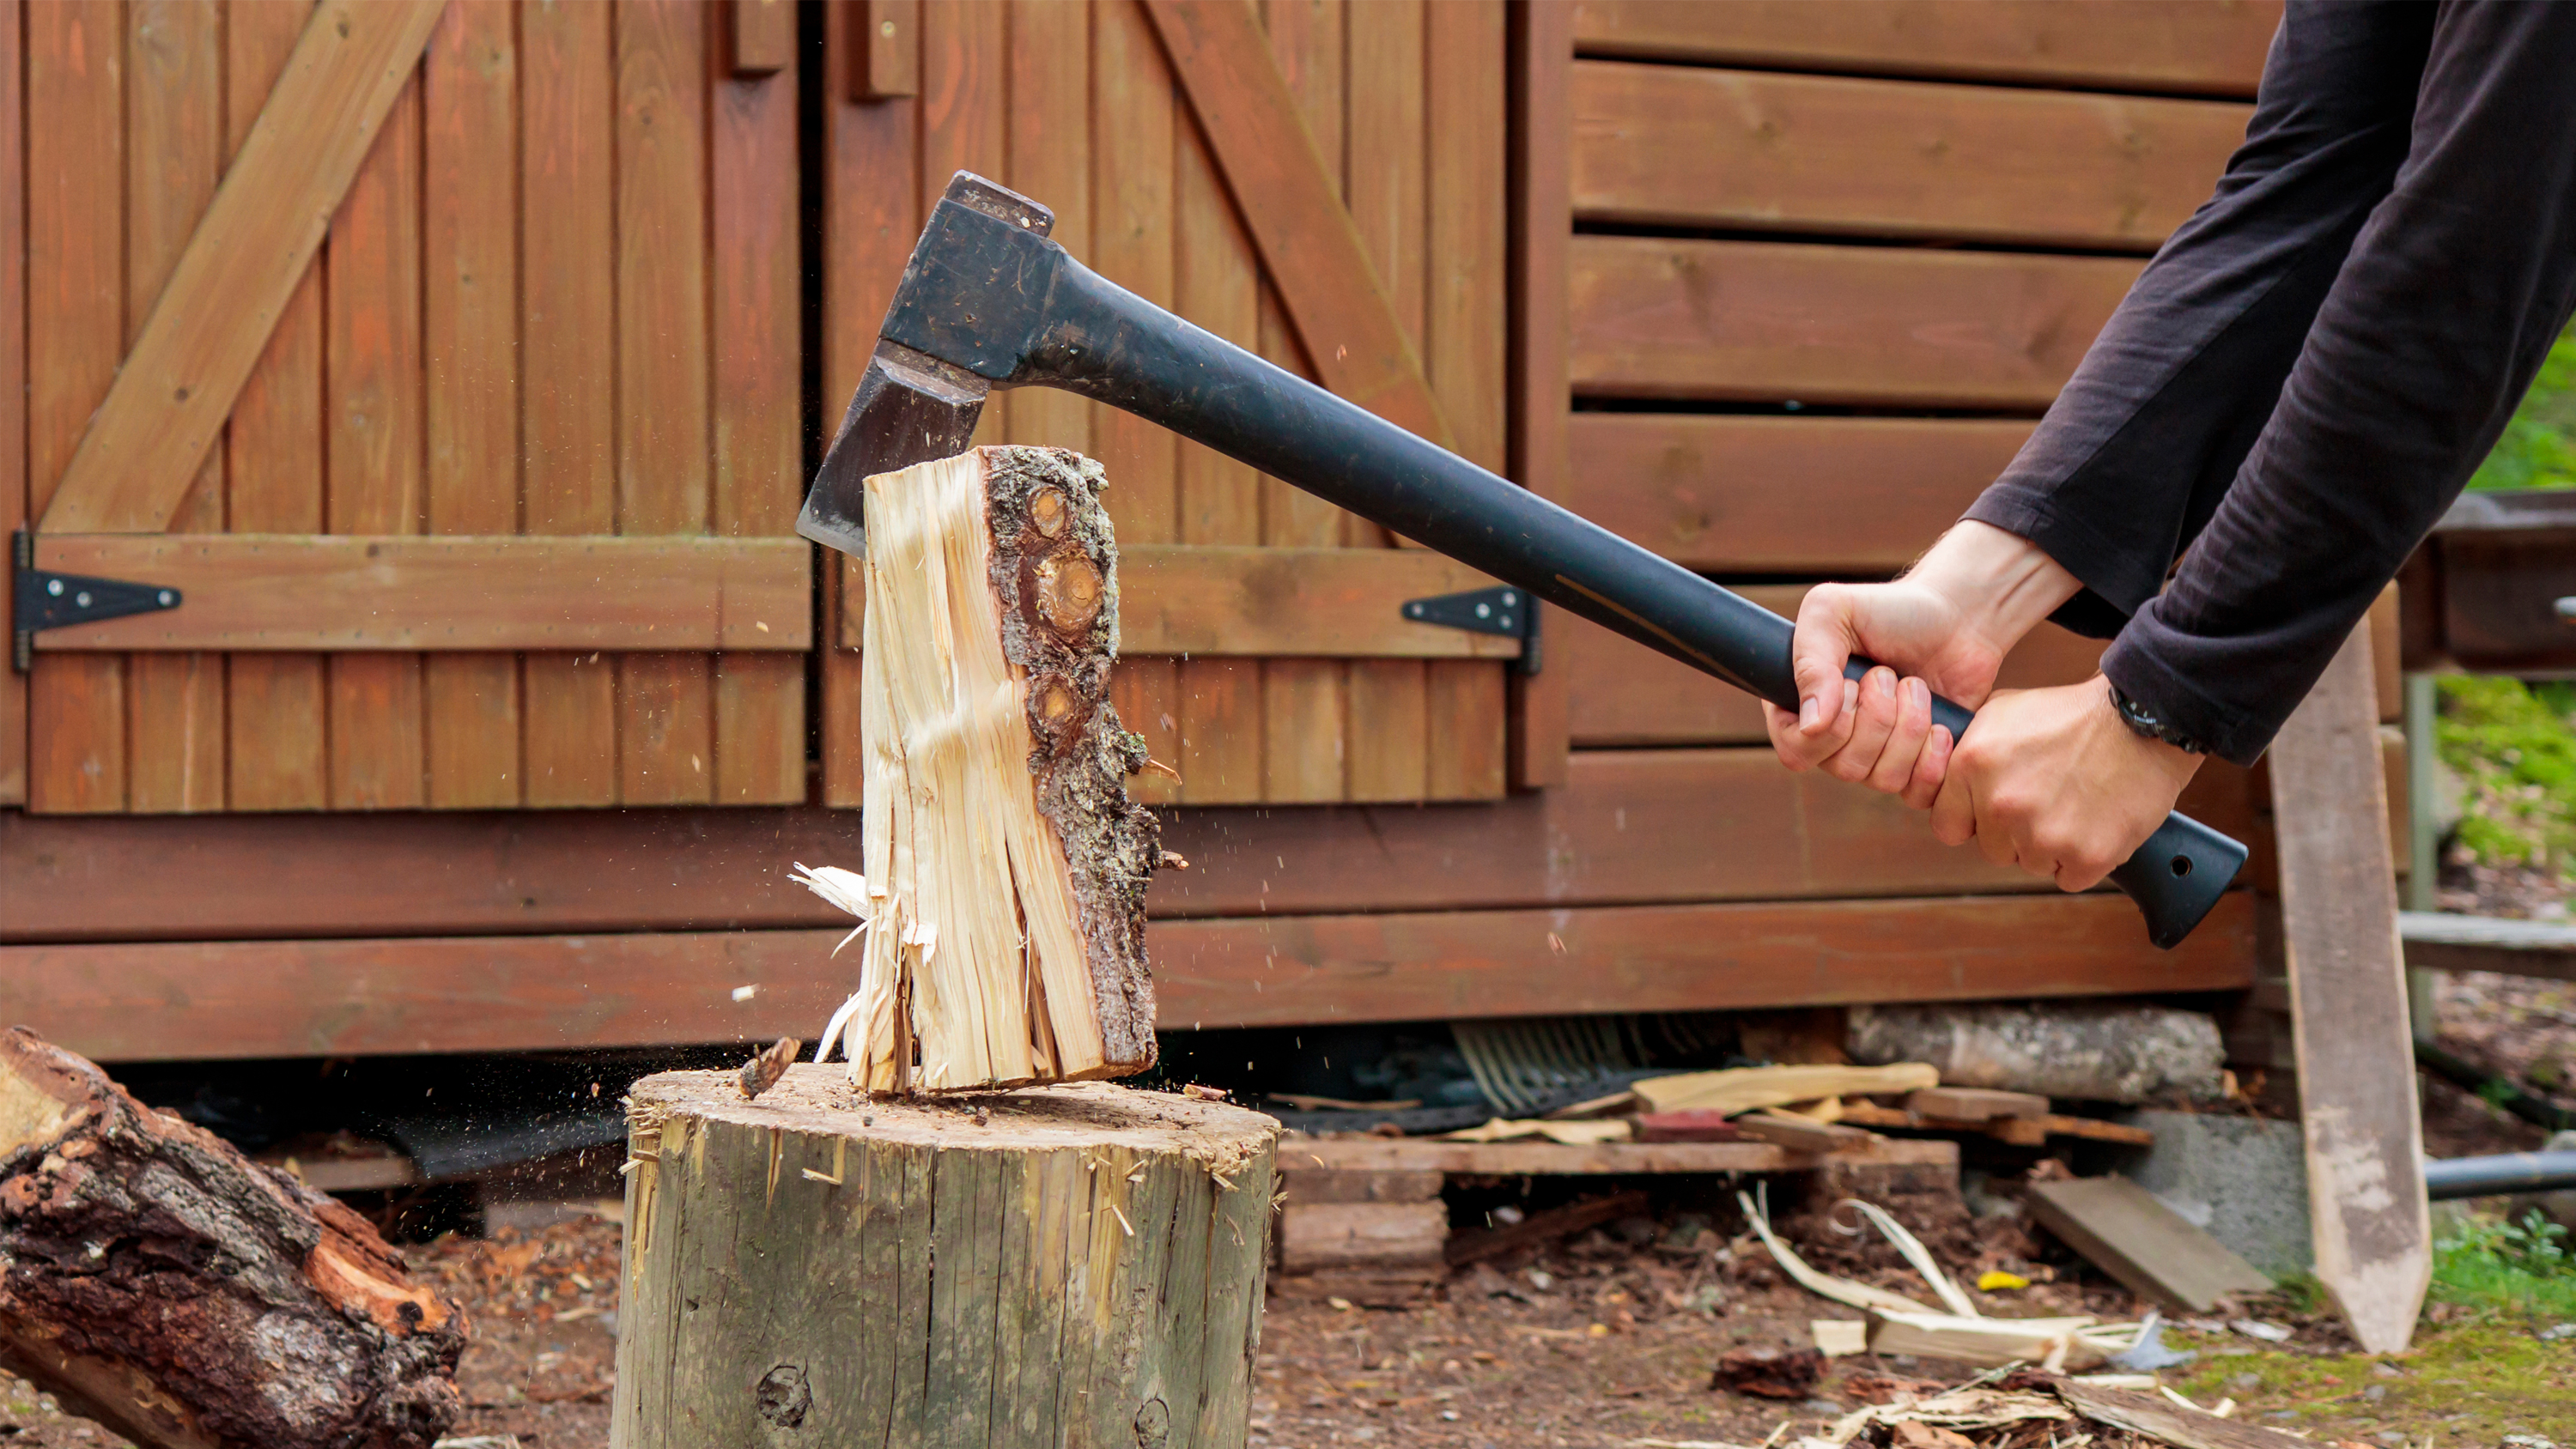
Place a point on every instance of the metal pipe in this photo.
(2446, 1178)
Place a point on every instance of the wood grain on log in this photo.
(1057, 1265)
(1005, 865)
(154, 1279)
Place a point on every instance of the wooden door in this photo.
(1266, 658)
(446, 358)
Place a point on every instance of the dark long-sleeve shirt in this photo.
(2312, 366)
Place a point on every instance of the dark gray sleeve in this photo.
(2314, 364)
(2445, 307)
(2145, 438)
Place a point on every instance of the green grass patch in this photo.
(2467, 1384)
(2513, 748)
(2523, 1267)
(2538, 449)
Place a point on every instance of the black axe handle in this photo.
(1007, 305)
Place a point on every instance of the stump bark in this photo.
(1062, 1265)
(155, 1280)
(1005, 870)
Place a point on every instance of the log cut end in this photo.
(1005, 876)
(1070, 1264)
(155, 1280)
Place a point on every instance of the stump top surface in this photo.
(819, 1099)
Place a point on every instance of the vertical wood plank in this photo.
(761, 36)
(1049, 134)
(273, 752)
(964, 123)
(1542, 224)
(470, 327)
(1303, 704)
(1384, 179)
(2348, 1015)
(568, 321)
(13, 366)
(1217, 282)
(1134, 120)
(665, 701)
(1306, 39)
(372, 296)
(759, 697)
(1465, 306)
(1463, 714)
(873, 191)
(75, 338)
(174, 127)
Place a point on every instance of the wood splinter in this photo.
(1003, 896)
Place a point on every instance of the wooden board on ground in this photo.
(1323, 1185)
(2364, 1134)
(2167, 1422)
(1350, 1235)
(1742, 1089)
(1551, 1159)
(1799, 1134)
(2122, 1229)
(1976, 1104)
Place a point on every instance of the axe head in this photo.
(914, 405)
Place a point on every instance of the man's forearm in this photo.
(2001, 583)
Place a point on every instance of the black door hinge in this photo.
(1502, 610)
(39, 600)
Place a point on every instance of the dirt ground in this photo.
(1594, 1342)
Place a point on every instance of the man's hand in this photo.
(1943, 628)
(2053, 781)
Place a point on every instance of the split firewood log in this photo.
(1003, 888)
(156, 1280)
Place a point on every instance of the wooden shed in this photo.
(460, 363)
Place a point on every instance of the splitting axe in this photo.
(989, 301)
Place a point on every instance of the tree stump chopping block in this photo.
(1063, 1265)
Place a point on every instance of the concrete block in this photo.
(2243, 1180)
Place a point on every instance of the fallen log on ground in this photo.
(2094, 1051)
(1005, 868)
(156, 1280)
(1056, 1265)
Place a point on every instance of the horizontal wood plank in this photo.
(1208, 601)
(2183, 47)
(1629, 827)
(1655, 317)
(248, 591)
(1287, 970)
(1512, 1159)
(1731, 493)
(1621, 693)
(1726, 149)
(129, 1001)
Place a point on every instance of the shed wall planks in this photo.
(470, 353)
(1117, 151)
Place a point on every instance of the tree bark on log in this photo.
(1005, 868)
(1064, 1265)
(154, 1279)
